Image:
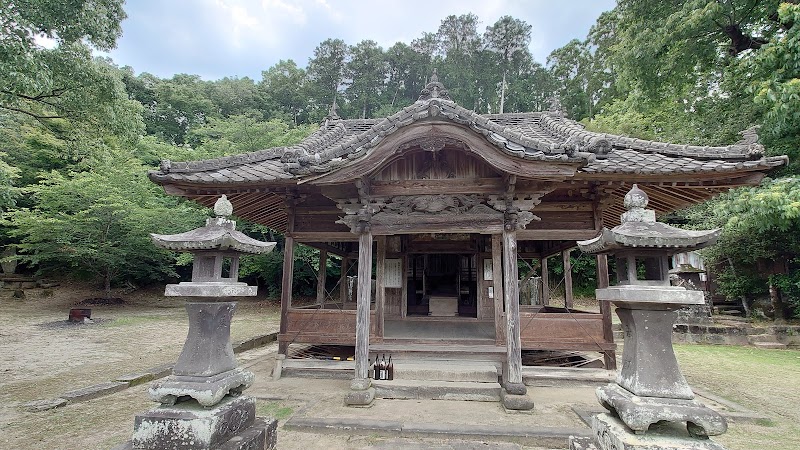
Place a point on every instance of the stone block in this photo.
(94, 391)
(611, 434)
(262, 435)
(516, 402)
(581, 443)
(43, 405)
(360, 398)
(208, 391)
(189, 426)
(639, 413)
(437, 390)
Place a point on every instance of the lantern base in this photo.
(638, 413)
(208, 391)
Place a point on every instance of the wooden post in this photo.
(322, 274)
(511, 298)
(497, 288)
(609, 357)
(545, 283)
(343, 280)
(404, 289)
(286, 289)
(363, 301)
(567, 279)
(380, 291)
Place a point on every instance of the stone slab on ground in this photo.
(552, 437)
(566, 376)
(446, 371)
(437, 390)
(43, 405)
(93, 391)
(769, 345)
(611, 434)
(451, 444)
(254, 342)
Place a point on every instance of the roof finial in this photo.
(223, 207)
(556, 106)
(434, 89)
(635, 202)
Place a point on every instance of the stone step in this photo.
(566, 376)
(769, 345)
(437, 390)
(446, 371)
(756, 330)
(766, 337)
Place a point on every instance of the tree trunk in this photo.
(775, 299)
(107, 284)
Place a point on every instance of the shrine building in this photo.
(436, 209)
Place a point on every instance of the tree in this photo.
(241, 134)
(509, 38)
(59, 79)
(326, 74)
(366, 72)
(95, 224)
(284, 87)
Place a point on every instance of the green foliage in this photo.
(96, 224)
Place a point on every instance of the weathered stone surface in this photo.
(516, 402)
(639, 413)
(190, 426)
(263, 435)
(43, 405)
(205, 390)
(360, 398)
(642, 295)
(437, 390)
(581, 443)
(515, 388)
(210, 289)
(207, 350)
(94, 391)
(649, 367)
(611, 434)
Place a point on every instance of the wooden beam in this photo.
(448, 186)
(497, 288)
(327, 236)
(286, 286)
(511, 301)
(609, 357)
(362, 306)
(343, 287)
(380, 291)
(567, 279)
(322, 274)
(556, 235)
(545, 283)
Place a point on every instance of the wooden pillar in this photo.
(380, 291)
(511, 299)
(567, 279)
(363, 301)
(609, 357)
(545, 283)
(343, 280)
(322, 274)
(286, 289)
(497, 288)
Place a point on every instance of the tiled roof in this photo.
(545, 136)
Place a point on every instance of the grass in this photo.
(765, 381)
(134, 320)
(274, 409)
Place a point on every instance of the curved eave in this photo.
(648, 235)
(211, 238)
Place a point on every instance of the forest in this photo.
(79, 133)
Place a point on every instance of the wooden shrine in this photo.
(444, 203)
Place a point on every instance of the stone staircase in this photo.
(441, 380)
(763, 337)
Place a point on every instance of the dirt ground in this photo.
(42, 356)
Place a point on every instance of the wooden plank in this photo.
(447, 186)
(363, 301)
(497, 288)
(334, 236)
(322, 273)
(568, 298)
(556, 235)
(511, 300)
(343, 279)
(610, 357)
(380, 289)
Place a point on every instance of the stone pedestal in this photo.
(191, 426)
(611, 434)
(361, 393)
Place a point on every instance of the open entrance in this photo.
(442, 285)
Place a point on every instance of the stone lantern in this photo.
(650, 387)
(201, 402)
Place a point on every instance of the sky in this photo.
(241, 38)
